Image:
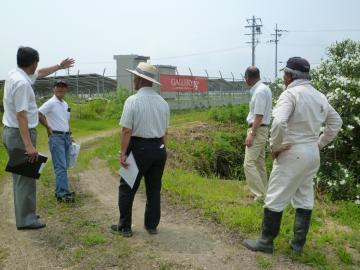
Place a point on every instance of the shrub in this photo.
(115, 107)
(230, 113)
(1, 98)
(338, 78)
(223, 157)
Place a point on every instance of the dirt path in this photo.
(184, 240)
(23, 249)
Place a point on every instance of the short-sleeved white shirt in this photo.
(146, 113)
(260, 103)
(57, 114)
(19, 96)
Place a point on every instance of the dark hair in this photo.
(252, 73)
(26, 56)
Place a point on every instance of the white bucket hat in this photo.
(146, 71)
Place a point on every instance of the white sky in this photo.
(170, 30)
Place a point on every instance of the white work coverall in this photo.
(298, 116)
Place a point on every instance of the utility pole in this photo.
(255, 24)
(277, 35)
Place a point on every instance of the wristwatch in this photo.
(252, 133)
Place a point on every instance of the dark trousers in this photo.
(150, 157)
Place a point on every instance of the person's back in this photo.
(150, 113)
(310, 112)
(144, 121)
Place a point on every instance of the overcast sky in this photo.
(200, 34)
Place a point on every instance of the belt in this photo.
(61, 132)
(18, 128)
(135, 138)
(262, 125)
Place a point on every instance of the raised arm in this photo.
(66, 63)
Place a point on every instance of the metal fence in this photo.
(222, 91)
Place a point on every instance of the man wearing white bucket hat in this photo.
(144, 122)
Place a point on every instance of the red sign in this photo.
(179, 83)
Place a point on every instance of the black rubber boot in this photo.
(301, 228)
(270, 229)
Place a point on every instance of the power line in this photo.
(326, 30)
(255, 24)
(201, 53)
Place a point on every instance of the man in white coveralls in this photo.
(295, 143)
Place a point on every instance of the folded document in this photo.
(19, 164)
(130, 174)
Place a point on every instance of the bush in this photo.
(277, 87)
(98, 108)
(230, 113)
(1, 98)
(224, 157)
(338, 78)
(115, 107)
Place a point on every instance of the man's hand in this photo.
(123, 158)
(275, 154)
(249, 140)
(31, 152)
(66, 63)
(49, 130)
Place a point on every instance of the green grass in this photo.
(3, 256)
(181, 118)
(333, 235)
(93, 239)
(263, 263)
(333, 239)
(82, 128)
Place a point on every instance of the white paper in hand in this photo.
(131, 172)
(73, 153)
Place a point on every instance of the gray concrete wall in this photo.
(123, 62)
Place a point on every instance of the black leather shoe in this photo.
(124, 232)
(152, 231)
(34, 226)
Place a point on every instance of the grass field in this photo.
(333, 240)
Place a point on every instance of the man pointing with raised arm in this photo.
(20, 120)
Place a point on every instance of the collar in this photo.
(253, 88)
(298, 82)
(31, 79)
(146, 91)
(55, 99)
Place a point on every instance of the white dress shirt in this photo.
(57, 114)
(146, 113)
(299, 114)
(19, 96)
(260, 103)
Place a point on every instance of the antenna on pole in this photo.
(278, 34)
(255, 24)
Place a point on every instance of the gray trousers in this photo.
(24, 187)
